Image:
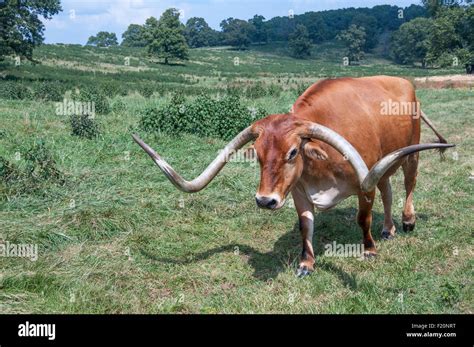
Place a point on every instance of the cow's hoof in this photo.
(408, 226)
(303, 271)
(369, 254)
(388, 234)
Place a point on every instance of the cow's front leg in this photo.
(305, 211)
(364, 219)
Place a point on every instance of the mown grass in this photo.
(117, 237)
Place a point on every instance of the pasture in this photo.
(114, 236)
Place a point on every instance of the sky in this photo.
(82, 18)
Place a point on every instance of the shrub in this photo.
(14, 91)
(49, 91)
(112, 89)
(93, 94)
(84, 126)
(146, 90)
(117, 105)
(203, 116)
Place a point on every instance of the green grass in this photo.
(133, 243)
(207, 67)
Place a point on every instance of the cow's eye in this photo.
(292, 154)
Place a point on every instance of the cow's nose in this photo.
(266, 202)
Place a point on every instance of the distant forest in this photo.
(321, 26)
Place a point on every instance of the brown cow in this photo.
(322, 150)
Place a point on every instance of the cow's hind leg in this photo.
(364, 219)
(410, 171)
(305, 211)
(389, 229)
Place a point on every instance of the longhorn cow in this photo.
(336, 142)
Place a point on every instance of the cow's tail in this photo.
(441, 139)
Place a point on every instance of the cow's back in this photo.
(362, 111)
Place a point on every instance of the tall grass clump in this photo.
(37, 169)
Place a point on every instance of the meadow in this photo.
(114, 236)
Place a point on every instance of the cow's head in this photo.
(282, 148)
(282, 144)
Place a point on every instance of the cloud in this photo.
(84, 18)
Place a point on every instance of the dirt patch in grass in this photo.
(441, 82)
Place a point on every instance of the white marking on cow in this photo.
(326, 196)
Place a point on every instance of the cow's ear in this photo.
(312, 150)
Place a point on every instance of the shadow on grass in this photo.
(286, 250)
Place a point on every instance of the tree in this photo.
(317, 28)
(369, 23)
(259, 35)
(21, 29)
(299, 42)
(354, 39)
(435, 7)
(198, 33)
(452, 37)
(134, 36)
(237, 32)
(410, 43)
(103, 39)
(165, 37)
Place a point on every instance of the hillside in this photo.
(212, 69)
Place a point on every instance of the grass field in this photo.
(117, 237)
(214, 68)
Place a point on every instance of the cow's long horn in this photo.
(367, 179)
(382, 166)
(209, 173)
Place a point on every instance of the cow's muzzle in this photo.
(271, 202)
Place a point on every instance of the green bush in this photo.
(117, 105)
(49, 91)
(147, 90)
(112, 89)
(84, 126)
(95, 95)
(14, 91)
(203, 116)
